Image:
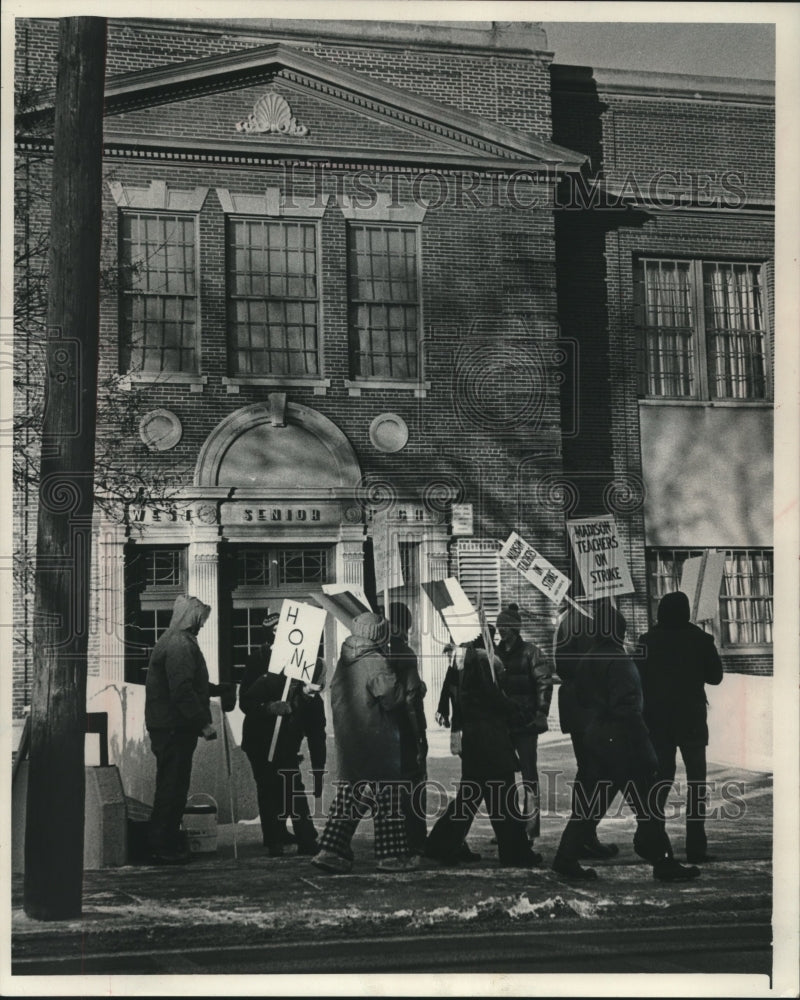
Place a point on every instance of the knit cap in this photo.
(510, 618)
(371, 626)
(271, 620)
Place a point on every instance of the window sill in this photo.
(195, 382)
(320, 385)
(765, 404)
(354, 386)
(763, 649)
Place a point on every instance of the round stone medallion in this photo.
(160, 430)
(388, 432)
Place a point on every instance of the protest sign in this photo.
(343, 601)
(600, 556)
(460, 617)
(297, 638)
(701, 579)
(385, 553)
(535, 568)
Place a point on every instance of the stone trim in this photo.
(272, 204)
(158, 197)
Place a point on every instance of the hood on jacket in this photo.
(674, 610)
(355, 647)
(188, 614)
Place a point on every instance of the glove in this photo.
(226, 693)
(208, 732)
(540, 723)
(442, 720)
(279, 708)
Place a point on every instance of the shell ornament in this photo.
(271, 113)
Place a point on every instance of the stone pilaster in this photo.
(204, 584)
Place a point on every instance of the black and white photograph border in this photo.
(577, 395)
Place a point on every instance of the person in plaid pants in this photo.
(366, 696)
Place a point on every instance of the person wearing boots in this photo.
(177, 712)
(528, 682)
(574, 638)
(487, 768)
(366, 695)
(619, 757)
(678, 659)
(413, 727)
(278, 782)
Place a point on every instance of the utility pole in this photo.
(55, 806)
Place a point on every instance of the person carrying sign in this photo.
(678, 659)
(365, 697)
(487, 768)
(574, 639)
(278, 782)
(528, 682)
(619, 756)
(413, 726)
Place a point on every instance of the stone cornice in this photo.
(154, 86)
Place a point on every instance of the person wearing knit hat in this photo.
(528, 682)
(366, 695)
(279, 785)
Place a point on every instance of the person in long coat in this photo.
(279, 785)
(413, 727)
(528, 682)
(574, 638)
(177, 713)
(677, 660)
(366, 695)
(488, 762)
(619, 756)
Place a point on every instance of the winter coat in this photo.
(487, 750)
(449, 696)
(365, 696)
(411, 716)
(258, 691)
(528, 682)
(675, 665)
(574, 639)
(609, 694)
(177, 688)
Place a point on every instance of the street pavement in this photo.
(240, 911)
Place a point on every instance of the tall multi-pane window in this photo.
(158, 281)
(273, 297)
(702, 329)
(745, 599)
(383, 265)
(154, 577)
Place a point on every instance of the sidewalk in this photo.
(223, 901)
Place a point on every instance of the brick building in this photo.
(356, 267)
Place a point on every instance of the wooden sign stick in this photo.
(278, 721)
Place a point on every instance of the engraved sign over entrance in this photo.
(277, 514)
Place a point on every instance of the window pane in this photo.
(273, 266)
(667, 327)
(157, 278)
(733, 300)
(384, 313)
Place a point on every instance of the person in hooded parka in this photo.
(366, 696)
(677, 660)
(177, 713)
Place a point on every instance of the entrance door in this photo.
(255, 581)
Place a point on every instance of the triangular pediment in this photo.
(275, 100)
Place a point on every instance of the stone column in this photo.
(204, 584)
(349, 565)
(434, 635)
(110, 582)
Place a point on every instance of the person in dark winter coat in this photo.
(574, 639)
(278, 783)
(177, 712)
(366, 695)
(619, 755)
(528, 682)
(488, 763)
(413, 727)
(678, 659)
